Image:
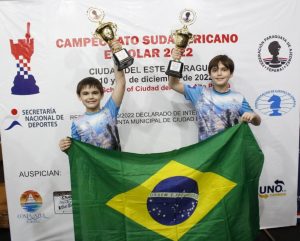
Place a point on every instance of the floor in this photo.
(280, 234)
(277, 234)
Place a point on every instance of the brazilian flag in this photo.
(203, 192)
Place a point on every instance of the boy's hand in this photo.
(248, 117)
(64, 144)
(115, 46)
(177, 53)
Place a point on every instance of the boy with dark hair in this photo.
(98, 126)
(218, 107)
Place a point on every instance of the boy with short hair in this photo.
(98, 126)
(218, 107)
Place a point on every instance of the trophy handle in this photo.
(114, 27)
(191, 39)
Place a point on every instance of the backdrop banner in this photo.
(48, 46)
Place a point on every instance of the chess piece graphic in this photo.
(24, 82)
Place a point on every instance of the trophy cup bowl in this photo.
(182, 40)
(106, 32)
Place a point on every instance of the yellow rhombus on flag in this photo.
(135, 203)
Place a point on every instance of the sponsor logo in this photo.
(62, 202)
(31, 202)
(43, 117)
(33, 118)
(275, 53)
(275, 190)
(275, 102)
(24, 82)
(11, 120)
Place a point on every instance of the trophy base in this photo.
(122, 59)
(175, 69)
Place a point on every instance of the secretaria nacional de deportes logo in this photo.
(11, 120)
(275, 53)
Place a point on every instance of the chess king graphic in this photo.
(24, 82)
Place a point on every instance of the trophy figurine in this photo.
(107, 32)
(182, 37)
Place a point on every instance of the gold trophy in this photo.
(107, 32)
(182, 37)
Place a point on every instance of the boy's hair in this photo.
(91, 82)
(224, 59)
